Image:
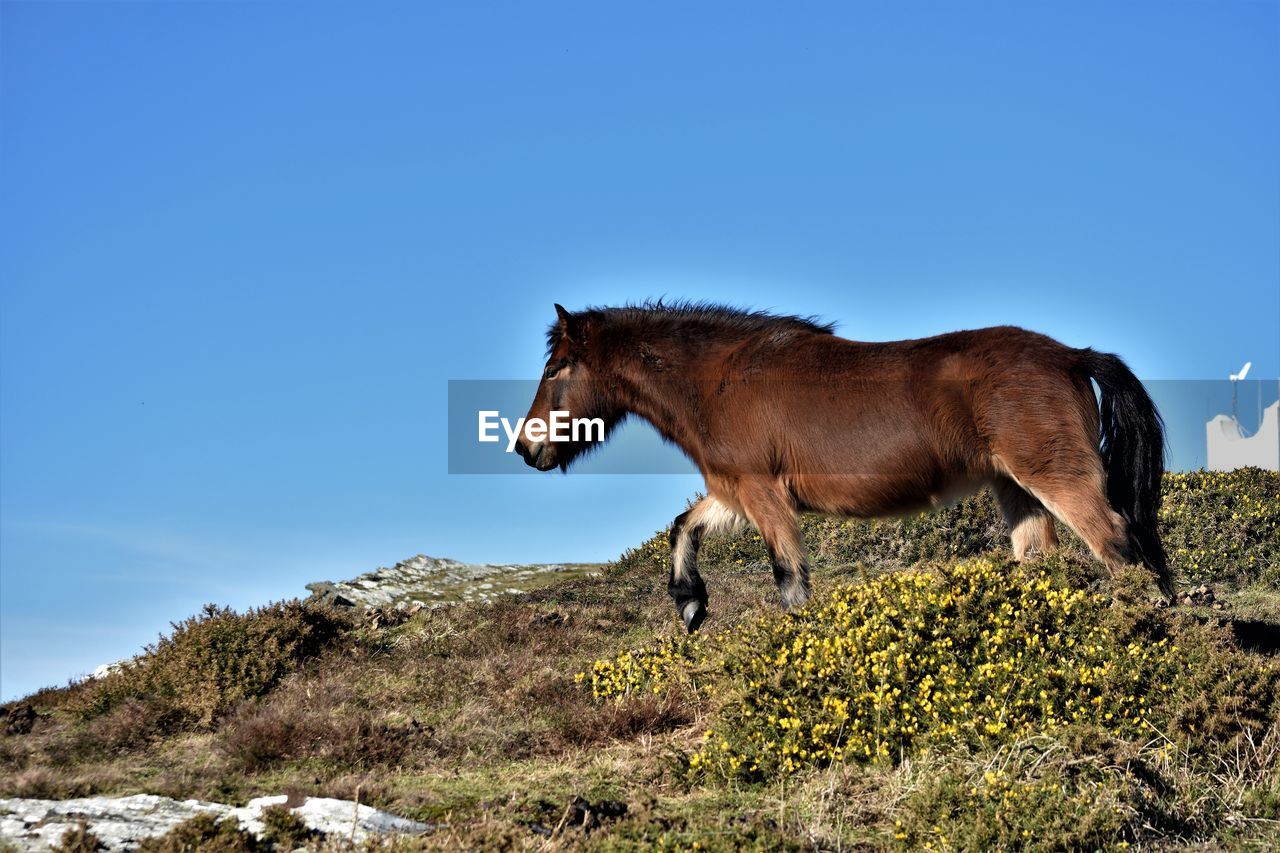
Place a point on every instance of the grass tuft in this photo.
(78, 839)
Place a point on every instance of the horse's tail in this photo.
(1132, 455)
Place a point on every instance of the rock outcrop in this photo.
(433, 581)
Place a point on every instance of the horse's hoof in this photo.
(693, 613)
(794, 598)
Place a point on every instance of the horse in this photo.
(782, 417)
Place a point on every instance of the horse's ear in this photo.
(570, 326)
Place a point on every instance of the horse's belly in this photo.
(878, 495)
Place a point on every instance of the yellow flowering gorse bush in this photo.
(980, 651)
(644, 669)
(1223, 524)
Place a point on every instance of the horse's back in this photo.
(876, 428)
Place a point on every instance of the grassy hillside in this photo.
(933, 694)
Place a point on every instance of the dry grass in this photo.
(78, 839)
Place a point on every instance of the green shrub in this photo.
(214, 660)
(1020, 805)
(1223, 697)
(284, 829)
(965, 529)
(1223, 525)
(1214, 526)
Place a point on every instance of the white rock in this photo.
(336, 817)
(121, 822)
(106, 669)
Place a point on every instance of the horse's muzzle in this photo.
(543, 458)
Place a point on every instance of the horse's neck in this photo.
(670, 400)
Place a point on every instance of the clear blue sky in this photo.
(245, 245)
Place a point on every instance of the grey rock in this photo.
(436, 581)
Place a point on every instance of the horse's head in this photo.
(573, 404)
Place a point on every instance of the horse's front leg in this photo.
(685, 584)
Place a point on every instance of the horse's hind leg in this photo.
(771, 509)
(685, 584)
(1030, 524)
(1080, 502)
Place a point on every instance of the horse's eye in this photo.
(553, 369)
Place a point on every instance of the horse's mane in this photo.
(702, 319)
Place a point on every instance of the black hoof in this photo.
(693, 612)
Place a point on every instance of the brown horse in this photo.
(781, 417)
